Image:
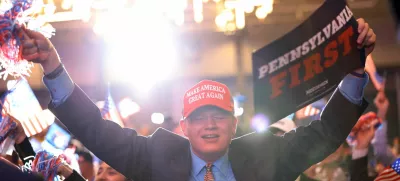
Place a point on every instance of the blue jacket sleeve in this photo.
(121, 148)
(309, 145)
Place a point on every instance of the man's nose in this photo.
(211, 123)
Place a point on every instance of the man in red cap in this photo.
(209, 152)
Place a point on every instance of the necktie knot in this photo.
(208, 176)
(208, 166)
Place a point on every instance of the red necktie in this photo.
(208, 176)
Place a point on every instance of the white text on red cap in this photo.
(198, 93)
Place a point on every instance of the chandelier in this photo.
(233, 14)
(230, 15)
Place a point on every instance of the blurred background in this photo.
(136, 58)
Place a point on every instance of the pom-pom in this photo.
(47, 165)
(14, 14)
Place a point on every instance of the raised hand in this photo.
(367, 37)
(382, 104)
(38, 49)
(365, 135)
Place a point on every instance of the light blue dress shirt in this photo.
(221, 169)
(351, 87)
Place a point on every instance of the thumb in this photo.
(33, 34)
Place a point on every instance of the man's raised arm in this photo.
(121, 148)
(309, 145)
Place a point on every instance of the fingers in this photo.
(361, 23)
(30, 51)
(31, 57)
(28, 43)
(374, 122)
(380, 98)
(376, 100)
(360, 29)
(43, 45)
(34, 49)
(363, 33)
(370, 38)
(367, 37)
(33, 34)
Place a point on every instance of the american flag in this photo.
(109, 111)
(390, 174)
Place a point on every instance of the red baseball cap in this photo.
(207, 93)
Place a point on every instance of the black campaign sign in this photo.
(307, 63)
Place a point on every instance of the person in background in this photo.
(282, 126)
(330, 168)
(381, 149)
(27, 155)
(359, 163)
(13, 158)
(209, 151)
(396, 147)
(86, 165)
(106, 173)
(11, 172)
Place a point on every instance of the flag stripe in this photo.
(391, 173)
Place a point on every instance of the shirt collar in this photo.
(222, 164)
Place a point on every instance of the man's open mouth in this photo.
(210, 136)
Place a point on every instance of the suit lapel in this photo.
(240, 163)
(181, 163)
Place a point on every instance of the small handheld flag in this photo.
(391, 173)
(110, 111)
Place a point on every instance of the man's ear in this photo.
(183, 124)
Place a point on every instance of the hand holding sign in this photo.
(366, 39)
(310, 61)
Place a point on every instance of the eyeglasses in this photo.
(212, 117)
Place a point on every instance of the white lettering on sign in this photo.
(335, 25)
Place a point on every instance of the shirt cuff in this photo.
(352, 87)
(60, 87)
(359, 153)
